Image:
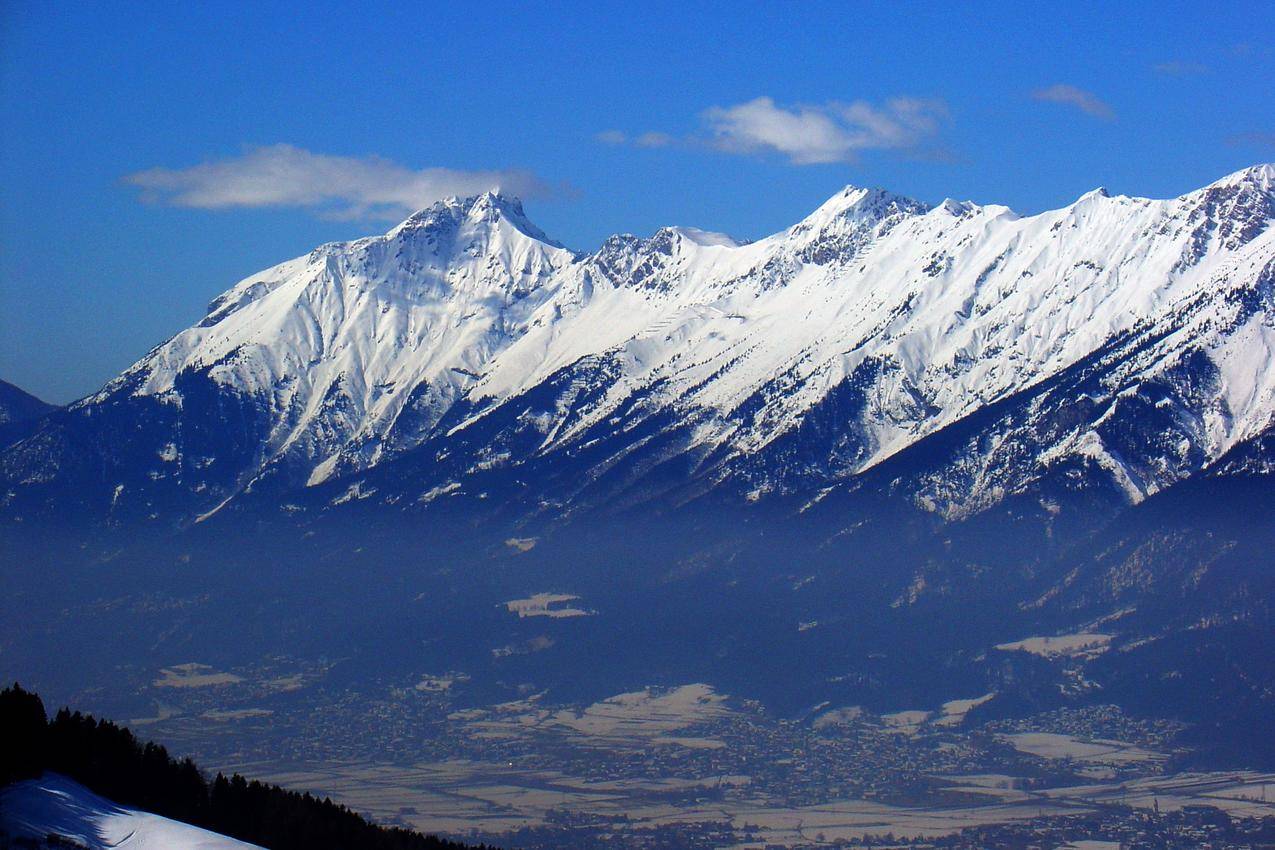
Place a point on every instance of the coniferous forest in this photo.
(110, 761)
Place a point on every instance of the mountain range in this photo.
(948, 414)
(465, 340)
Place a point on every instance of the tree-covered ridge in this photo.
(112, 762)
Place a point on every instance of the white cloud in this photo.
(342, 186)
(654, 140)
(831, 132)
(1085, 101)
(612, 137)
(645, 140)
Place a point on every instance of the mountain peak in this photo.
(860, 203)
(858, 209)
(487, 209)
(492, 200)
(457, 207)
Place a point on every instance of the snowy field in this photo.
(1084, 645)
(1051, 745)
(625, 721)
(193, 675)
(546, 605)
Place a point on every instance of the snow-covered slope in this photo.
(467, 340)
(341, 345)
(54, 805)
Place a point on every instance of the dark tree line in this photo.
(110, 761)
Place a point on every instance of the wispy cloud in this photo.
(806, 134)
(613, 137)
(642, 140)
(1180, 69)
(1085, 101)
(1261, 140)
(336, 186)
(654, 140)
(831, 132)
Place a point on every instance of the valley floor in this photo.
(547, 809)
(690, 767)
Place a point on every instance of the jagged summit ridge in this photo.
(1260, 177)
(491, 208)
(871, 324)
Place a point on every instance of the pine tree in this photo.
(22, 734)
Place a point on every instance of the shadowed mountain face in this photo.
(19, 413)
(17, 405)
(840, 462)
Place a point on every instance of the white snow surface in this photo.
(1080, 645)
(54, 804)
(959, 305)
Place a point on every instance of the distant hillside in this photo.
(18, 405)
(109, 761)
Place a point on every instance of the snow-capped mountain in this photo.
(357, 348)
(408, 367)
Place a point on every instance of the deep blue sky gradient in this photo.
(91, 277)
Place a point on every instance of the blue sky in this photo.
(152, 155)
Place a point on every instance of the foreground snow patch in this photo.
(55, 805)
